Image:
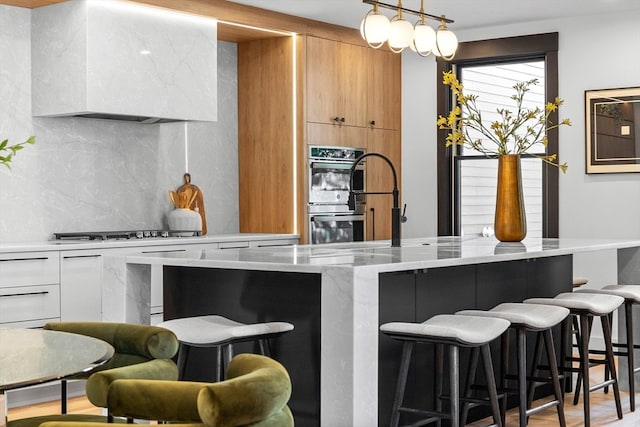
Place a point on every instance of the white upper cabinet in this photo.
(113, 59)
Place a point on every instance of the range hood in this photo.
(112, 59)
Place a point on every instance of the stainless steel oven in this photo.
(330, 219)
(336, 227)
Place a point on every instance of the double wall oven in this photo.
(330, 219)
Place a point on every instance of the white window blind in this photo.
(478, 175)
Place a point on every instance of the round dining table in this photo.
(34, 356)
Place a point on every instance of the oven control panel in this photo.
(335, 153)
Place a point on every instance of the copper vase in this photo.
(510, 224)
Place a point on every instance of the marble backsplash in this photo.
(89, 174)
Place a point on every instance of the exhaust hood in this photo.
(118, 60)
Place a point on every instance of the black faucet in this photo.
(396, 218)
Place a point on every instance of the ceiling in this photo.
(466, 13)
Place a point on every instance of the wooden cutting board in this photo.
(190, 196)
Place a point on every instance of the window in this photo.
(467, 179)
(475, 176)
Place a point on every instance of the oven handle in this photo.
(324, 218)
(322, 165)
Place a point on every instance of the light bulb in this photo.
(446, 42)
(400, 34)
(424, 39)
(375, 28)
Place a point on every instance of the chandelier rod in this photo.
(409, 11)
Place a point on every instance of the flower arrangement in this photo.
(514, 132)
(8, 151)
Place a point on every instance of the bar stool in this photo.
(527, 318)
(455, 332)
(631, 295)
(222, 333)
(586, 306)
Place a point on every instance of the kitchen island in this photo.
(337, 295)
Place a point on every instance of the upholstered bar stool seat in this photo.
(631, 295)
(220, 332)
(527, 317)
(586, 306)
(455, 332)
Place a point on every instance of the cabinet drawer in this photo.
(233, 245)
(26, 303)
(35, 268)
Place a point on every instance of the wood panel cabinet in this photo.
(295, 92)
(351, 85)
(266, 135)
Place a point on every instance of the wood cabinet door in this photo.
(353, 71)
(384, 89)
(380, 179)
(322, 80)
(334, 135)
(337, 82)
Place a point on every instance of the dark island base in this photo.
(258, 296)
(249, 297)
(418, 295)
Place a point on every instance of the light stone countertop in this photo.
(68, 245)
(413, 254)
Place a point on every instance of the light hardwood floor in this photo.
(603, 412)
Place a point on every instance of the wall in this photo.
(593, 54)
(88, 174)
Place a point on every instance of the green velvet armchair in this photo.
(255, 394)
(140, 352)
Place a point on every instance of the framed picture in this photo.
(612, 130)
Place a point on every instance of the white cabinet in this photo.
(81, 286)
(29, 289)
(38, 287)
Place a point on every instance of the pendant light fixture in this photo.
(375, 27)
(446, 42)
(424, 39)
(400, 33)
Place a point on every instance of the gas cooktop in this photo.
(133, 234)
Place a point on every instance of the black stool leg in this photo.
(537, 354)
(183, 354)
(471, 374)
(606, 329)
(63, 396)
(504, 368)
(584, 364)
(437, 392)
(491, 385)
(606, 366)
(576, 397)
(521, 342)
(454, 387)
(631, 366)
(265, 348)
(219, 364)
(551, 358)
(566, 340)
(407, 349)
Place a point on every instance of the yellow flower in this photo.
(515, 132)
